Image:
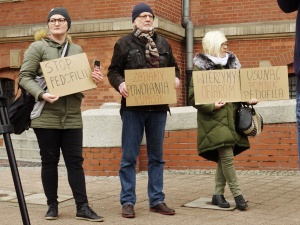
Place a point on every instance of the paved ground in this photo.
(273, 198)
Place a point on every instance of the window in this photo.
(292, 85)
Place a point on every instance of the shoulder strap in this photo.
(65, 51)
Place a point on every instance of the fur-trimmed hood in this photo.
(43, 34)
(204, 63)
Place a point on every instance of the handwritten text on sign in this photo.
(212, 85)
(154, 86)
(68, 75)
(266, 83)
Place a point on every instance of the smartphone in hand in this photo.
(96, 65)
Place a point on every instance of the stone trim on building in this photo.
(122, 26)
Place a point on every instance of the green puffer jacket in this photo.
(217, 128)
(65, 113)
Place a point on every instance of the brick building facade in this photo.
(258, 33)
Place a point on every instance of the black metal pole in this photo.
(6, 129)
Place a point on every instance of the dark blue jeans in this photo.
(134, 125)
(69, 141)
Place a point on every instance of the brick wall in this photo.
(274, 149)
(13, 13)
(235, 11)
(279, 51)
(202, 12)
(250, 52)
(95, 48)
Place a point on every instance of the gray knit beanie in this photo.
(61, 11)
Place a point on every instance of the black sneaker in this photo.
(52, 211)
(86, 213)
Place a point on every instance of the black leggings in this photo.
(70, 142)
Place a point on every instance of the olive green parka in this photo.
(216, 128)
(65, 113)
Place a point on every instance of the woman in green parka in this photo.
(57, 121)
(218, 140)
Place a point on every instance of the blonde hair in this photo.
(212, 42)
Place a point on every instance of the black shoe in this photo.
(52, 211)
(86, 213)
(240, 202)
(220, 201)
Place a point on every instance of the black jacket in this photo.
(129, 53)
(288, 7)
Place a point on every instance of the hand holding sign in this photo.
(50, 98)
(123, 90)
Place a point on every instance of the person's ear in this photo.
(134, 25)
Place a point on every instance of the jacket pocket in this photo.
(134, 59)
(164, 59)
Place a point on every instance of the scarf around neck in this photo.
(204, 62)
(219, 60)
(151, 52)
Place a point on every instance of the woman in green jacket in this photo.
(217, 139)
(57, 122)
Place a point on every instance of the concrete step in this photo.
(25, 147)
(25, 154)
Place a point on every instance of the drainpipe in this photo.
(189, 36)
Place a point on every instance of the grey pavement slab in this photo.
(30, 198)
(8, 195)
(40, 199)
(205, 203)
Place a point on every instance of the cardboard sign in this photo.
(264, 84)
(267, 83)
(153, 86)
(68, 75)
(212, 85)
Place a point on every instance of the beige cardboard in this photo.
(153, 86)
(212, 85)
(68, 75)
(265, 83)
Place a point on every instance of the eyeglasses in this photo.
(223, 44)
(144, 17)
(60, 21)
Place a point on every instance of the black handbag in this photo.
(248, 121)
(19, 111)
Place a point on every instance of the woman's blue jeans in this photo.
(134, 125)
